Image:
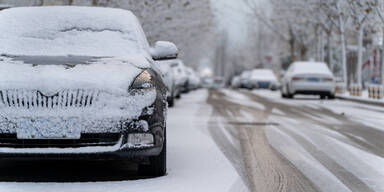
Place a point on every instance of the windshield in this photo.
(68, 32)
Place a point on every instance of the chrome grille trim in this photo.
(20, 98)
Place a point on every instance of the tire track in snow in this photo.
(349, 128)
(266, 169)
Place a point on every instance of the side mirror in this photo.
(164, 50)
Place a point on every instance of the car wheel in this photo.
(171, 102)
(322, 96)
(287, 94)
(157, 166)
(332, 96)
(178, 95)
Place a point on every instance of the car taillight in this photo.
(327, 79)
(297, 78)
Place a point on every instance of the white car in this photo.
(263, 78)
(193, 79)
(181, 76)
(309, 78)
(236, 82)
(244, 79)
(169, 78)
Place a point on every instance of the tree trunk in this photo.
(303, 52)
(95, 2)
(360, 55)
(292, 48)
(330, 51)
(343, 47)
(322, 46)
(343, 55)
(382, 61)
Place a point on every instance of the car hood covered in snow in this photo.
(51, 74)
(92, 92)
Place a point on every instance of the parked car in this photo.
(236, 82)
(80, 82)
(169, 79)
(263, 79)
(310, 78)
(181, 77)
(207, 82)
(218, 82)
(244, 79)
(193, 79)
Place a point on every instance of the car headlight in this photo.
(143, 81)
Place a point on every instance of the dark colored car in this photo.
(75, 87)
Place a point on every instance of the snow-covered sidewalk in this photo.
(361, 99)
(195, 163)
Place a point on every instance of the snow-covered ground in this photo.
(195, 163)
(364, 97)
(335, 143)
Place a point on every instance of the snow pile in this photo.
(311, 68)
(70, 31)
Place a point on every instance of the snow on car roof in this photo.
(64, 30)
(311, 67)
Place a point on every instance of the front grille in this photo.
(37, 99)
(86, 140)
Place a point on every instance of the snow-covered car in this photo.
(81, 82)
(207, 82)
(193, 79)
(236, 82)
(169, 77)
(263, 78)
(244, 79)
(181, 77)
(310, 78)
(218, 82)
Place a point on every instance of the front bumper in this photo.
(103, 146)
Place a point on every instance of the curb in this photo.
(361, 101)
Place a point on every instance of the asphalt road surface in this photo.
(305, 144)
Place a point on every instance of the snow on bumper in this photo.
(32, 127)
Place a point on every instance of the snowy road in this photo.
(195, 163)
(238, 141)
(304, 144)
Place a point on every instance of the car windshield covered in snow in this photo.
(61, 31)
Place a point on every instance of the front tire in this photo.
(157, 166)
(290, 96)
(171, 102)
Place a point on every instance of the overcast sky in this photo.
(231, 17)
